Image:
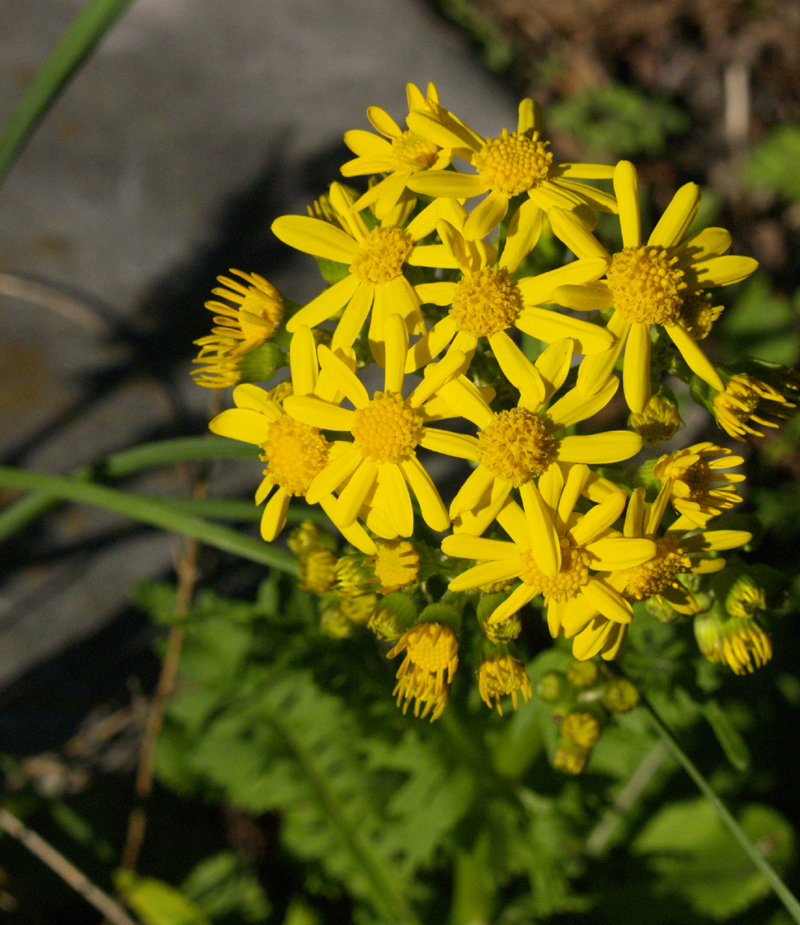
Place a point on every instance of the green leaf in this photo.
(156, 902)
(695, 856)
(772, 164)
(332, 272)
(223, 885)
(732, 743)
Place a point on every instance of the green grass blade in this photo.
(86, 30)
(150, 511)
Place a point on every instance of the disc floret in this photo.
(514, 163)
(387, 430)
(382, 255)
(516, 446)
(486, 302)
(646, 285)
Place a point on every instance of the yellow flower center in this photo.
(486, 302)
(498, 677)
(387, 430)
(698, 314)
(296, 454)
(517, 446)
(581, 728)
(396, 564)
(659, 573)
(260, 312)
(382, 255)
(514, 163)
(571, 577)
(413, 147)
(646, 285)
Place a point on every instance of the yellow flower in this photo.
(316, 570)
(741, 644)
(580, 727)
(745, 400)
(649, 284)
(398, 154)
(585, 543)
(295, 452)
(256, 312)
(514, 448)
(506, 166)
(375, 258)
(700, 488)
(486, 300)
(373, 470)
(428, 667)
(500, 676)
(676, 553)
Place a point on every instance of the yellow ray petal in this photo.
(677, 217)
(519, 370)
(266, 486)
(486, 215)
(464, 546)
(431, 344)
(478, 518)
(435, 293)
(467, 401)
(257, 399)
(634, 516)
(657, 509)
(476, 486)
(396, 345)
(447, 183)
(636, 368)
(313, 236)
(586, 171)
(436, 375)
(273, 519)
(695, 358)
(626, 186)
(318, 413)
(597, 449)
(591, 640)
(486, 573)
(545, 547)
(552, 326)
(554, 364)
(452, 136)
(710, 242)
(366, 144)
(431, 505)
(598, 519)
(571, 490)
(432, 255)
(716, 540)
(576, 615)
(524, 230)
(449, 444)
(355, 533)
(619, 553)
(595, 370)
(576, 405)
(571, 230)
(326, 304)
(512, 519)
(615, 641)
(382, 122)
(608, 600)
(345, 378)
(303, 360)
(719, 271)
(526, 120)
(364, 165)
(590, 297)
(458, 245)
(339, 467)
(398, 296)
(354, 493)
(395, 490)
(351, 322)
(536, 290)
(554, 194)
(518, 598)
(241, 424)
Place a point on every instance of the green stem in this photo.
(151, 511)
(85, 31)
(783, 892)
(124, 463)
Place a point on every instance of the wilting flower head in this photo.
(744, 401)
(502, 674)
(396, 565)
(242, 327)
(741, 644)
(427, 669)
(660, 420)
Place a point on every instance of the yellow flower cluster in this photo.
(407, 370)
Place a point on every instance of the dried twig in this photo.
(68, 872)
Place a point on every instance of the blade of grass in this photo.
(150, 511)
(783, 892)
(85, 31)
(127, 462)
